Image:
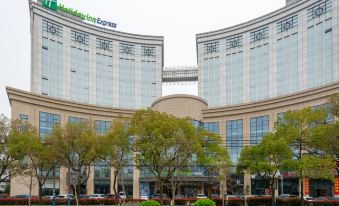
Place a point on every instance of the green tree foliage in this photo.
(205, 202)
(266, 159)
(74, 147)
(149, 203)
(164, 144)
(115, 148)
(298, 129)
(325, 137)
(6, 161)
(25, 146)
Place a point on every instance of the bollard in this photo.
(53, 200)
(69, 199)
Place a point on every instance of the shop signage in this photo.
(336, 185)
(52, 4)
(307, 186)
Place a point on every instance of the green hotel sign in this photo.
(52, 4)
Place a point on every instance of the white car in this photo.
(97, 196)
(64, 196)
(201, 196)
(122, 195)
(144, 197)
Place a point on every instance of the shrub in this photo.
(149, 203)
(205, 202)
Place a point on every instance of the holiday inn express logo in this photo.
(53, 5)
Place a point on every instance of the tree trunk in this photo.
(114, 184)
(161, 191)
(273, 192)
(173, 192)
(301, 191)
(30, 188)
(76, 195)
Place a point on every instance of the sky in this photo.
(177, 20)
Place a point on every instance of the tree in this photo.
(165, 144)
(6, 161)
(325, 137)
(223, 167)
(297, 129)
(25, 146)
(74, 147)
(115, 148)
(266, 159)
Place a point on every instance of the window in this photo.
(287, 64)
(259, 72)
(234, 138)
(287, 24)
(234, 78)
(104, 80)
(79, 37)
(320, 54)
(319, 10)
(24, 117)
(212, 127)
(127, 83)
(76, 120)
(148, 82)
(259, 127)
(104, 44)
(211, 81)
(102, 174)
(102, 127)
(47, 122)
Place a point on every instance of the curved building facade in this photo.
(248, 76)
(287, 51)
(81, 62)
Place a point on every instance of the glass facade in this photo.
(211, 71)
(52, 68)
(259, 126)
(234, 139)
(275, 55)
(79, 75)
(259, 72)
(287, 64)
(102, 178)
(127, 83)
(319, 53)
(148, 82)
(47, 122)
(104, 80)
(234, 78)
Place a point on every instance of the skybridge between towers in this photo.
(180, 75)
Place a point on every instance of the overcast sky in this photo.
(177, 20)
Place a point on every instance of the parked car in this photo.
(110, 196)
(179, 196)
(97, 196)
(229, 196)
(62, 196)
(22, 196)
(201, 196)
(48, 197)
(122, 195)
(144, 197)
(84, 196)
(282, 196)
(157, 196)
